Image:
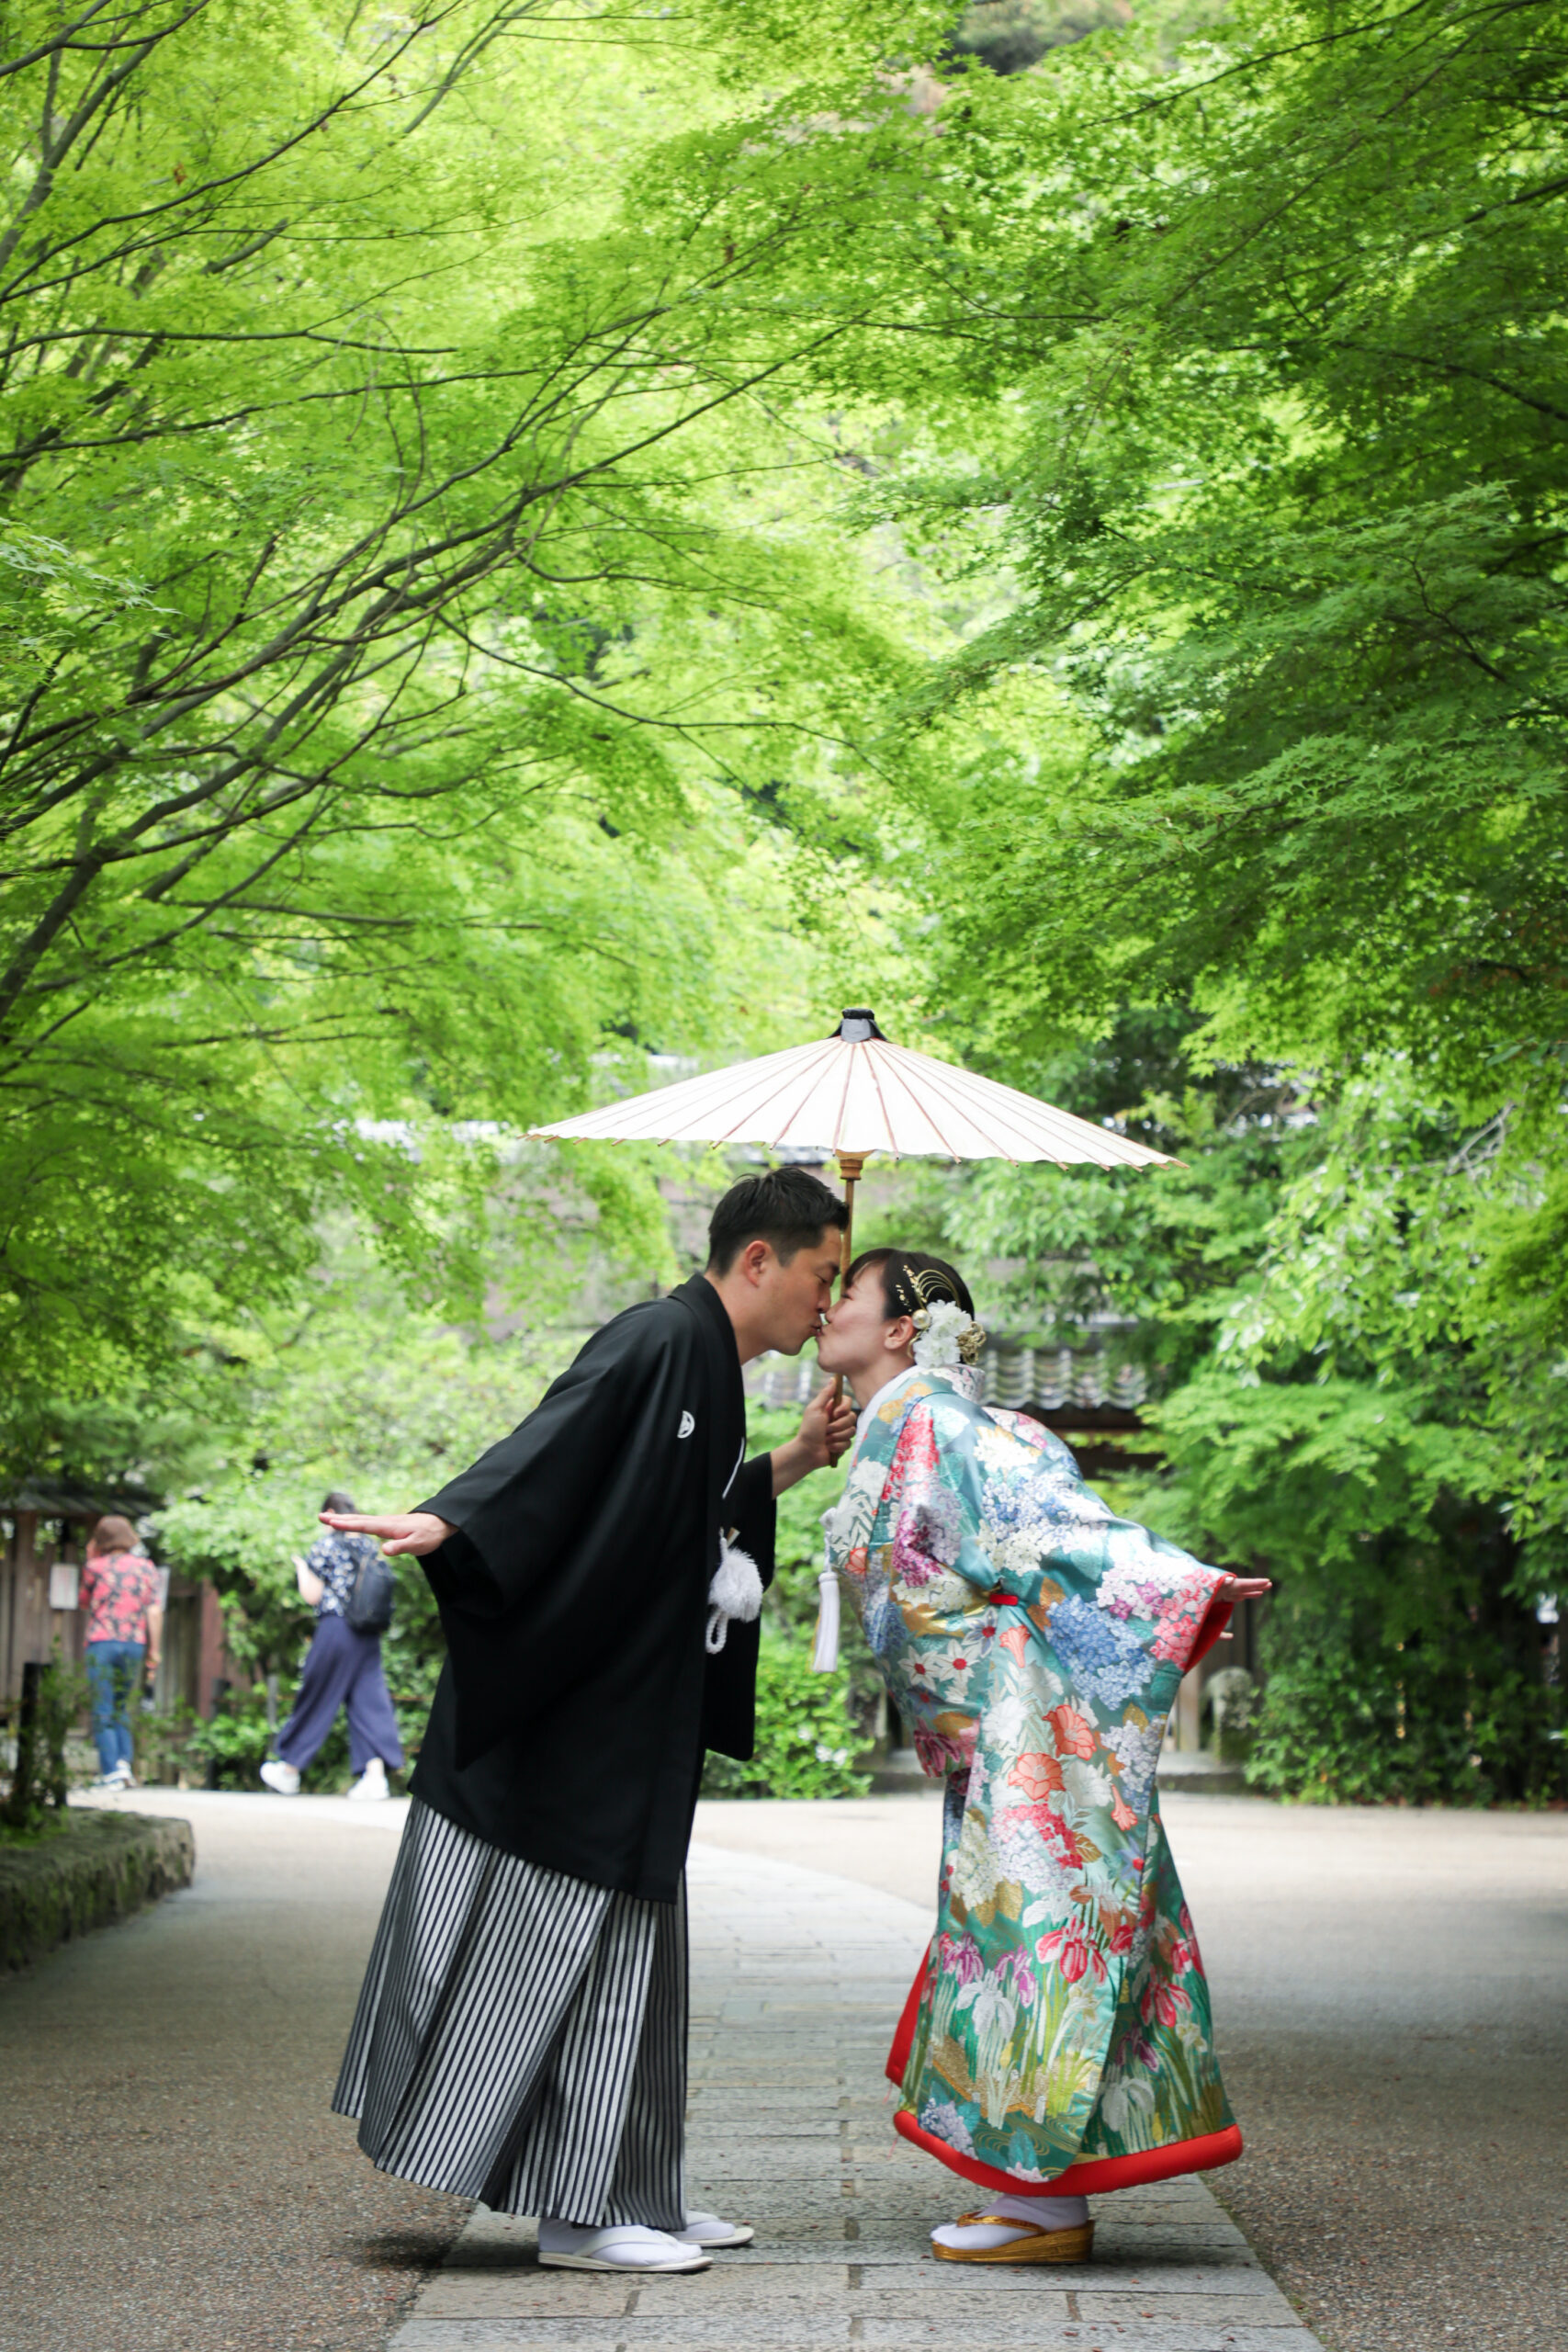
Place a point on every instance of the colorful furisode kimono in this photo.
(1058, 2032)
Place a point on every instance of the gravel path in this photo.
(1391, 1991)
(795, 1976)
(1394, 1994)
(169, 2177)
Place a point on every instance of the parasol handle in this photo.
(850, 1164)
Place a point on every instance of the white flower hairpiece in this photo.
(945, 1336)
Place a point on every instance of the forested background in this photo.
(549, 543)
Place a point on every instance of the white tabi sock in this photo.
(1030, 2212)
(618, 2247)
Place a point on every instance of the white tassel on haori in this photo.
(736, 1592)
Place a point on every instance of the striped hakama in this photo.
(521, 2036)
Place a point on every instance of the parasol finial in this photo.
(858, 1026)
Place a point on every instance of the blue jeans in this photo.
(114, 1676)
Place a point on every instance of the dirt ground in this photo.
(1388, 1989)
(169, 2175)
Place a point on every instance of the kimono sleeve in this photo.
(1056, 1547)
(523, 1503)
(1151, 1587)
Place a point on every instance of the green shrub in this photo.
(39, 1776)
(232, 1741)
(219, 1751)
(1407, 1728)
(808, 1745)
(227, 1750)
(789, 1609)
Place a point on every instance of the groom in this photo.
(520, 2034)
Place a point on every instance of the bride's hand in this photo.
(1233, 1589)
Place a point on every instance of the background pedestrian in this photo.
(348, 1584)
(122, 1593)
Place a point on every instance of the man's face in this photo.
(796, 1297)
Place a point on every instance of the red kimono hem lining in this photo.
(1096, 2175)
(904, 2032)
(1216, 1618)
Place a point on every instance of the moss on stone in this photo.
(99, 1867)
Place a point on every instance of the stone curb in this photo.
(98, 1866)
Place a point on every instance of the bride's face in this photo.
(859, 1342)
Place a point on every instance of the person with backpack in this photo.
(349, 1584)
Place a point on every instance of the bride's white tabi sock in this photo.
(1031, 2213)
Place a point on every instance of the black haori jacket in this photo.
(577, 1697)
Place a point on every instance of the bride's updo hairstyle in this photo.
(910, 1280)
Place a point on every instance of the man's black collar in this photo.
(704, 1301)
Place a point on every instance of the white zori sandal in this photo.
(707, 2230)
(568, 2245)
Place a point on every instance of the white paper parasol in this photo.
(853, 1093)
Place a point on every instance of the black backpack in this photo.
(369, 1607)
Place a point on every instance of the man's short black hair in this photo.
(788, 1208)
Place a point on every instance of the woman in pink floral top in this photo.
(122, 1594)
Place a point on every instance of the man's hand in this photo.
(826, 1433)
(418, 1531)
(828, 1427)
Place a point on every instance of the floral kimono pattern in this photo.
(1059, 2029)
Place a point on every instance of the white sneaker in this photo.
(707, 2230)
(567, 2245)
(122, 1776)
(281, 1778)
(372, 1782)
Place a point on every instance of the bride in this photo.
(1057, 2038)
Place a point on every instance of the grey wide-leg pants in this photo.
(521, 2036)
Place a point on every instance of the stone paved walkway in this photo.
(796, 1978)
